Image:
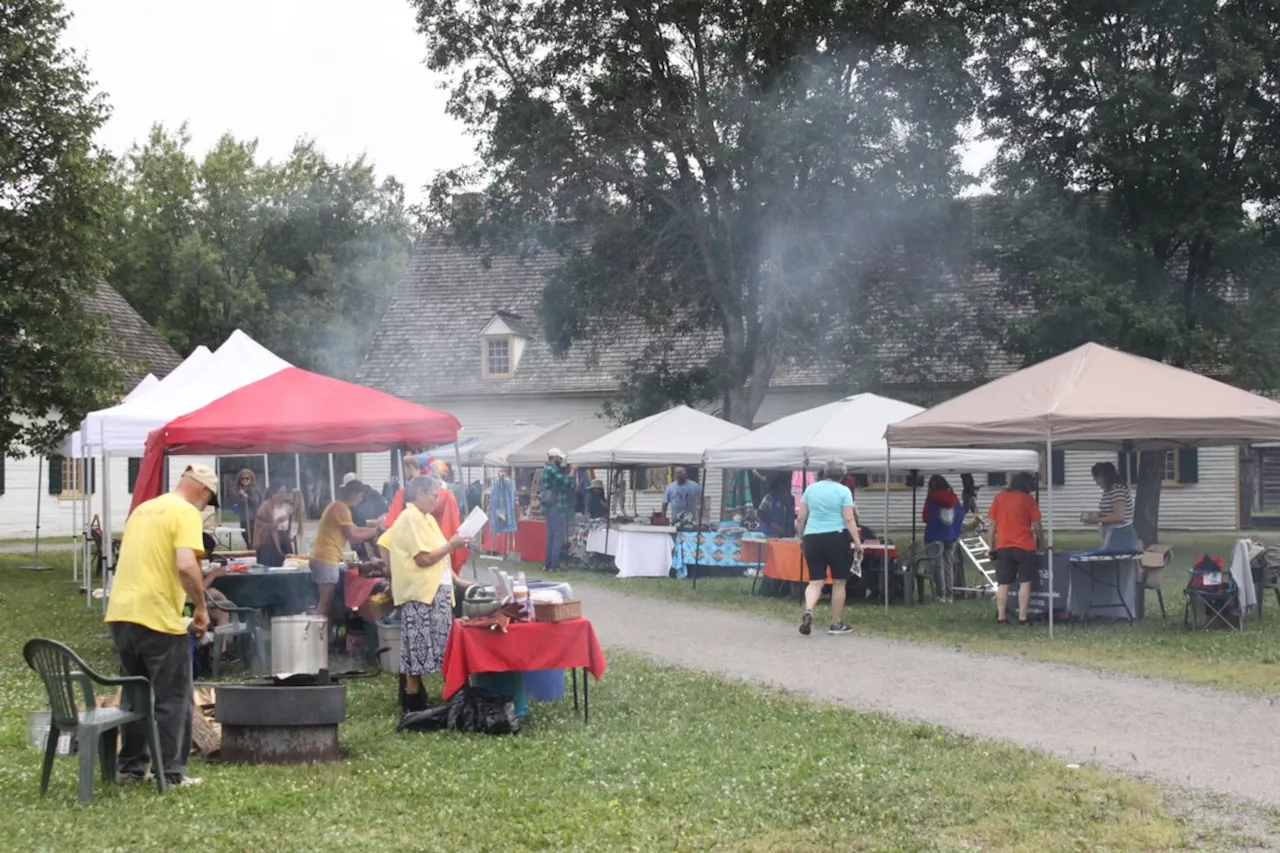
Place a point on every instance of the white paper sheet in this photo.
(473, 524)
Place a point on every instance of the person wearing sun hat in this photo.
(157, 572)
(559, 494)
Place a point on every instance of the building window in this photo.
(1172, 468)
(71, 478)
(497, 358)
(897, 481)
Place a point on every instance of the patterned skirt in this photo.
(425, 629)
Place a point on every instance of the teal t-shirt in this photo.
(826, 500)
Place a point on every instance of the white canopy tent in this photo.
(678, 436)
(853, 430)
(530, 450)
(122, 430)
(91, 427)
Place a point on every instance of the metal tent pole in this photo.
(333, 484)
(697, 534)
(1049, 464)
(107, 535)
(266, 475)
(884, 535)
(297, 471)
(35, 560)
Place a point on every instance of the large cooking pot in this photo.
(299, 644)
(479, 602)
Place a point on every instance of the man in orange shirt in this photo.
(446, 511)
(1016, 535)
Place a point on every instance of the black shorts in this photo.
(1016, 565)
(825, 552)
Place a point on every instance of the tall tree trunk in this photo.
(1146, 509)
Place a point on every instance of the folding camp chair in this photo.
(1155, 559)
(1216, 604)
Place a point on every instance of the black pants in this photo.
(165, 660)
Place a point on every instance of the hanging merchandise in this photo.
(740, 497)
(503, 512)
(801, 480)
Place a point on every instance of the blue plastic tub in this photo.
(544, 685)
(505, 684)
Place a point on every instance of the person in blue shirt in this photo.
(682, 496)
(828, 526)
(943, 520)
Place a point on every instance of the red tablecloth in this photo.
(531, 541)
(526, 646)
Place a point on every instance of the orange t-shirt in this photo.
(1013, 513)
(446, 515)
(448, 519)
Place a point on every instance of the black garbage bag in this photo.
(471, 709)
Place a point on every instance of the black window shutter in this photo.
(93, 476)
(54, 474)
(134, 464)
(1, 474)
(1131, 459)
(1059, 467)
(997, 478)
(1189, 466)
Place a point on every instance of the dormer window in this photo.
(497, 357)
(502, 342)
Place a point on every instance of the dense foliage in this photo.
(53, 202)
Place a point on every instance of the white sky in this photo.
(347, 73)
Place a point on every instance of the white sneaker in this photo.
(190, 782)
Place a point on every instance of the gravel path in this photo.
(1137, 726)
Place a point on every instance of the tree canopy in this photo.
(302, 254)
(726, 169)
(53, 200)
(1140, 146)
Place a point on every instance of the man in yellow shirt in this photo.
(336, 529)
(422, 580)
(158, 571)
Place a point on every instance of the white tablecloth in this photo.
(600, 541)
(643, 554)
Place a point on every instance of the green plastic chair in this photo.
(61, 670)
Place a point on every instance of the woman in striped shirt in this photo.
(1115, 510)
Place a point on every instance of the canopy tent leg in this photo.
(108, 538)
(266, 475)
(697, 534)
(333, 484)
(35, 560)
(884, 534)
(1048, 453)
(297, 471)
(915, 493)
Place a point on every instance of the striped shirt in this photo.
(1117, 493)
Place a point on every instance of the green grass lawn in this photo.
(671, 761)
(1248, 662)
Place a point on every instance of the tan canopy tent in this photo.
(1092, 397)
(1095, 397)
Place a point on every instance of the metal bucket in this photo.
(38, 725)
(299, 644)
(389, 638)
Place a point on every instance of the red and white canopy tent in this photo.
(293, 411)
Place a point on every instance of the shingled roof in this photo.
(130, 339)
(428, 345)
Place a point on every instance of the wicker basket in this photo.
(562, 612)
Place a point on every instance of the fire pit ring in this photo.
(280, 724)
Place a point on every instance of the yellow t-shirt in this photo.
(147, 589)
(330, 540)
(411, 535)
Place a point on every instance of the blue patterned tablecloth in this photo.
(710, 548)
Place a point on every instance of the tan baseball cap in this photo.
(204, 475)
(347, 478)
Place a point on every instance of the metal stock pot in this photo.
(299, 644)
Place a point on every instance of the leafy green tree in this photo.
(53, 197)
(302, 254)
(1140, 155)
(724, 171)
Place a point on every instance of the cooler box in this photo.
(505, 684)
(544, 685)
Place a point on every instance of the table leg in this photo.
(573, 673)
(586, 698)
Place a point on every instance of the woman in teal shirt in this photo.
(829, 530)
